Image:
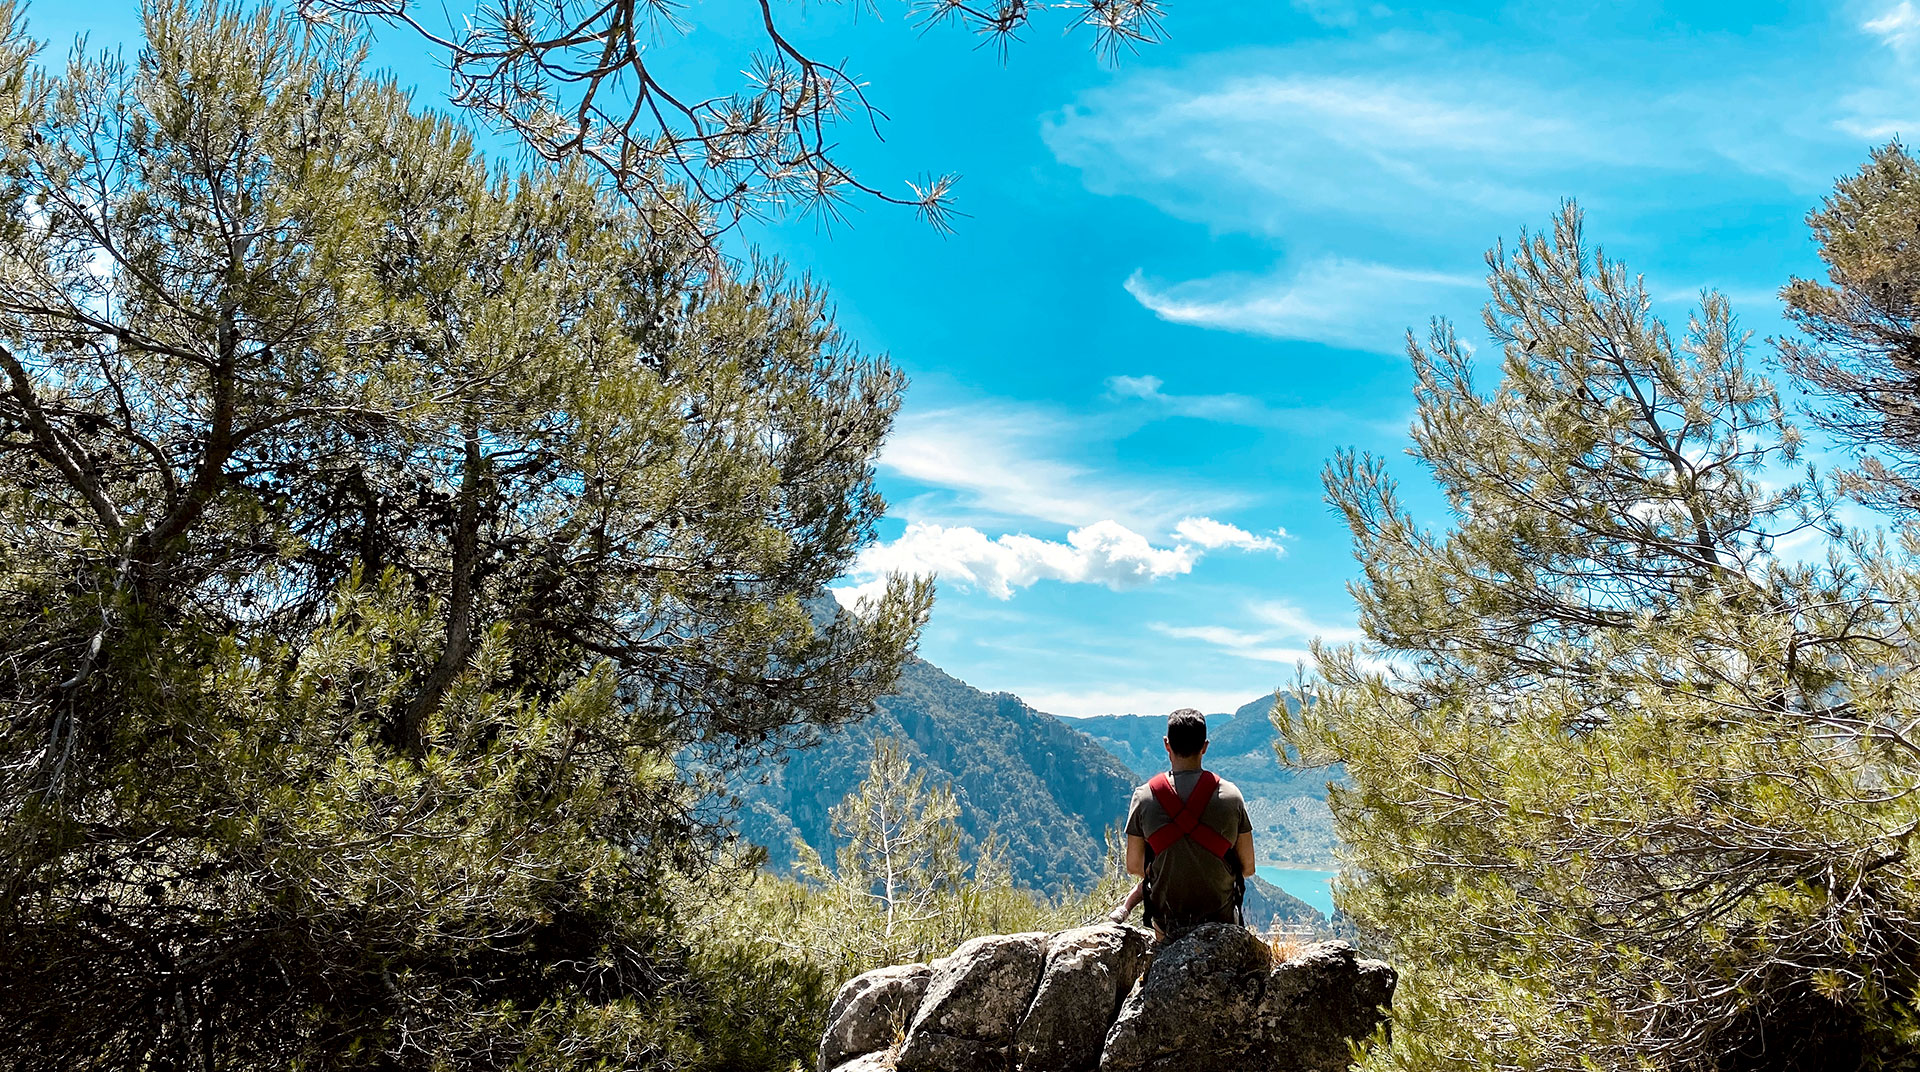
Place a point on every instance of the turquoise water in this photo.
(1313, 887)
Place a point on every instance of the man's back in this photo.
(1186, 883)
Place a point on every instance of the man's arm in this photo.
(1137, 854)
(1244, 847)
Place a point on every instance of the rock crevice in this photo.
(1107, 998)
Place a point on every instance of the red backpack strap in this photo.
(1207, 837)
(1162, 789)
(1184, 816)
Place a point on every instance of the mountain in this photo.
(1047, 790)
(1291, 824)
(1265, 903)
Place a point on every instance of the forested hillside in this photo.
(1044, 787)
(1045, 790)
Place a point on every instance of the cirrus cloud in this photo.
(1339, 302)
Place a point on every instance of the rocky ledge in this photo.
(1107, 998)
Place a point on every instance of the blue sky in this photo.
(1182, 280)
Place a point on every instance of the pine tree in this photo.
(904, 885)
(1859, 348)
(1628, 788)
(392, 544)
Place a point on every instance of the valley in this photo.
(1047, 790)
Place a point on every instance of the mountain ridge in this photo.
(1046, 792)
(1039, 784)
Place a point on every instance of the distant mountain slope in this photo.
(1266, 903)
(1288, 807)
(1047, 789)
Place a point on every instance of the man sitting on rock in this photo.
(1188, 837)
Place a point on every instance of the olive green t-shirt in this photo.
(1186, 883)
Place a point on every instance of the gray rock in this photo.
(1315, 1002)
(872, 1011)
(878, 1061)
(1089, 972)
(1197, 1007)
(974, 1003)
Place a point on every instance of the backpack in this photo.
(1184, 821)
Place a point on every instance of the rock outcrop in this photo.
(974, 1004)
(1089, 973)
(1107, 998)
(872, 1012)
(1196, 1008)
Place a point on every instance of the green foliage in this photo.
(380, 528)
(901, 888)
(1627, 789)
(1860, 344)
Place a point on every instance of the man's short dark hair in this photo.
(1186, 732)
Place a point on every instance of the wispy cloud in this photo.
(1255, 646)
(1898, 27)
(1009, 462)
(1340, 12)
(1105, 553)
(1261, 152)
(1272, 632)
(1880, 104)
(1239, 409)
(1288, 620)
(1339, 302)
(1395, 135)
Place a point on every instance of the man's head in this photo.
(1186, 733)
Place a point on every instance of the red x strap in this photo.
(1184, 816)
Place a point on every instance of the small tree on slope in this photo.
(1628, 788)
(901, 888)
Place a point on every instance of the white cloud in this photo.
(1277, 632)
(1291, 621)
(1880, 104)
(1234, 408)
(1136, 386)
(1105, 553)
(1334, 301)
(1898, 27)
(1255, 646)
(1264, 152)
(1385, 141)
(1003, 461)
(1211, 534)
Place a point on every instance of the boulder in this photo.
(1089, 971)
(1104, 997)
(878, 1061)
(1317, 1000)
(1197, 1006)
(974, 1002)
(872, 1012)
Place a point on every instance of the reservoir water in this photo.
(1313, 887)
